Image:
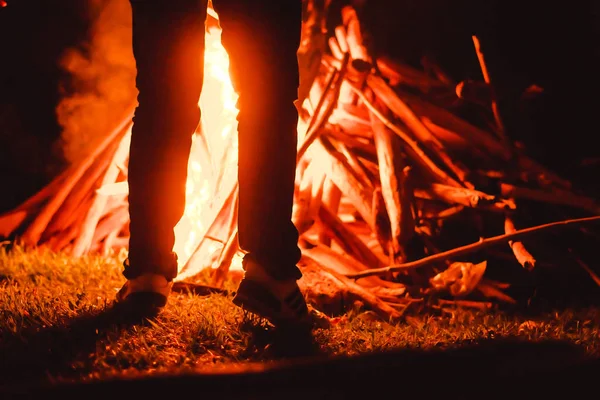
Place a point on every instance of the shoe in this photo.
(147, 292)
(279, 302)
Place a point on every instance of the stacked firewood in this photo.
(384, 161)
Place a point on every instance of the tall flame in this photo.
(212, 167)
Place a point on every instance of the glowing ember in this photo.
(212, 168)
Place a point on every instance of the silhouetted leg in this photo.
(168, 42)
(262, 38)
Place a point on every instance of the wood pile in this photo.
(386, 162)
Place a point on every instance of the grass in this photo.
(55, 323)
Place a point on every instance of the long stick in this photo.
(473, 247)
(486, 78)
(390, 165)
(463, 196)
(523, 256)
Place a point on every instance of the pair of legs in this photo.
(261, 38)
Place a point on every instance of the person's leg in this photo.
(168, 41)
(262, 39)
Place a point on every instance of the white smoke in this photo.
(100, 81)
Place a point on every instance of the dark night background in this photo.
(553, 45)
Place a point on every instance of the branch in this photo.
(523, 256)
(495, 110)
(472, 248)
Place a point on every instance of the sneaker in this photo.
(280, 302)
(146, 292)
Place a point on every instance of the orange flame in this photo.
(210, 175)
(212, 167)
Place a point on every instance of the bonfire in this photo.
(385, 166)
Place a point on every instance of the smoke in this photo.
(100, 79)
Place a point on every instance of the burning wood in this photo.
(381, 167)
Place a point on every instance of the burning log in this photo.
(391, 167)
(461, 196)
(521, 254)
(357, 50)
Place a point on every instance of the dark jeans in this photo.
(261, 38)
